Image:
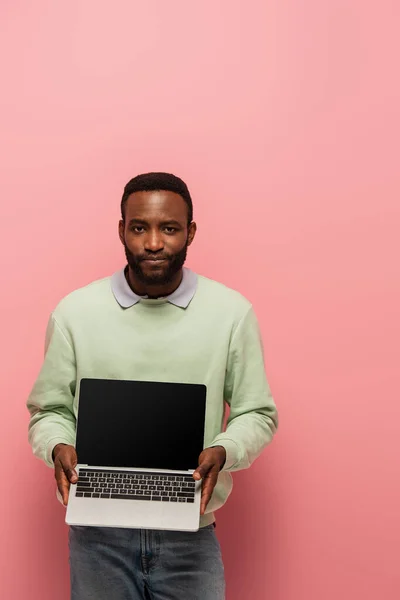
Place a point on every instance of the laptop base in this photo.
(135, 514)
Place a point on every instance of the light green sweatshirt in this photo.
(214, 341)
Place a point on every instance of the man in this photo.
(157, 321)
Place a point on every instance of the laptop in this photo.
(138, 445)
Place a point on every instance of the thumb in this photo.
(202, 470)
(68, 465)
(72, 475)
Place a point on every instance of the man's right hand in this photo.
(65, 461)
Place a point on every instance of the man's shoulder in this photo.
(84, 298)
(220, 295)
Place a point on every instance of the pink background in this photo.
(283, 117)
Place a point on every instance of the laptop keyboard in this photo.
(135, 485)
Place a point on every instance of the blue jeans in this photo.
(136, 564)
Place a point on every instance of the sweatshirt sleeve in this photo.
(253, 417)
(50, 403)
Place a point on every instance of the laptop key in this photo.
(190, 500)
(181, 499)
(79, 494)
(86, 495)
(156, 498)
(185, 495)
(165, 499)
(127, 497)
(136, 497)
(104, 495)
(173, 499)
(84, 489)
(95, 495)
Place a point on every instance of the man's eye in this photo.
(170, 229)
(138, 229)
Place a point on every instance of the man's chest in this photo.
(156, 350)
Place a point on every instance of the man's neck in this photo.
(153, 291)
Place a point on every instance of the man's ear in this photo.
(121, 231)
(192, 232)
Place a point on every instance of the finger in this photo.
(65, 473)
(208, 487)
(202, 470)
(209, 483)
(62, 484)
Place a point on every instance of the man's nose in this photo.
(154, 242)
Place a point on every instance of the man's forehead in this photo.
(159, 202)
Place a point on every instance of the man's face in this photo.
(156, 235)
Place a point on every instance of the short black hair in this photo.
(149, 182)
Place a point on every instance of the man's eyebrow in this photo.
(141, 221)
(137, 221)
(171, 222)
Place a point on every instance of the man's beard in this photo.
(175, 264)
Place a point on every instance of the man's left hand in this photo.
(211, 461)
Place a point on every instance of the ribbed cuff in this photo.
(51, 444)
(232, 452)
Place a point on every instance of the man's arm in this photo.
(50, 403)
(253, 417)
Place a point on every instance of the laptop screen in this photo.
(140, 424)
